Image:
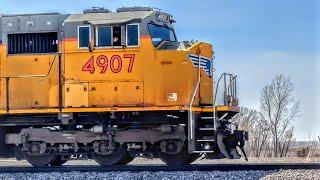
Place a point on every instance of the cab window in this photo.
(107, 36)
(84, 34)
(133, 35)
(104, 36)
(161, 33)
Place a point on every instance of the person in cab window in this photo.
(115, 40)
(116, 36)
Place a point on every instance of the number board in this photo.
(113, 64)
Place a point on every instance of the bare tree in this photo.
(279, 108)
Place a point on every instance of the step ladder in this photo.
(204, 137)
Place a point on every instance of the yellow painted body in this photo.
(31, 85)
(156, 75)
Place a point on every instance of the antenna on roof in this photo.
(134, 8)
(96, 10)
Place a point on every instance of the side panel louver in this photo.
(32, 43)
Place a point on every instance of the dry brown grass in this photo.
(307, 152)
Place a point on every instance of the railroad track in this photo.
(153, 168)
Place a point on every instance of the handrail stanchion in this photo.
(230, 89)
(192, 100)
(7, 94)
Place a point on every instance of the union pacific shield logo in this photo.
(205, 63)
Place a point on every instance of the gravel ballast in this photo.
(228, 175)
(294, 174)
(140, 175)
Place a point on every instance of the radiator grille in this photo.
(29, 43)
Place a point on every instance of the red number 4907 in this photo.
(114, 63)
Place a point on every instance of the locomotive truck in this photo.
(111, 86)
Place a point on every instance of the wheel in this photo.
(36, 156)
(120, 156)
(40, 160)
(126, 160)
(181, 158)
(58, 161)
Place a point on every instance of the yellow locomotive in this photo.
(111, 86)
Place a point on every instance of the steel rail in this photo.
(154, 168)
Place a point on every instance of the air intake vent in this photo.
(32, 43)
(136, 8)
(96, 10)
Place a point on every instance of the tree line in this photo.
(271, 125)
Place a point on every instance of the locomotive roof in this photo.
(45, 22)
(34, 14)
(100, 15)
(110, 17)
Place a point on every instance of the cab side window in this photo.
(104, 36)
(117, 36)
(84, 34)
(107, 36)
(133, 35)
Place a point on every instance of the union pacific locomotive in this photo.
(111, 86)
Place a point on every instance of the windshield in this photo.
(161, 33)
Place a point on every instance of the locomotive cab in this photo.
(111, 86)
(132, 50)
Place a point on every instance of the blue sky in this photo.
(254, 39)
